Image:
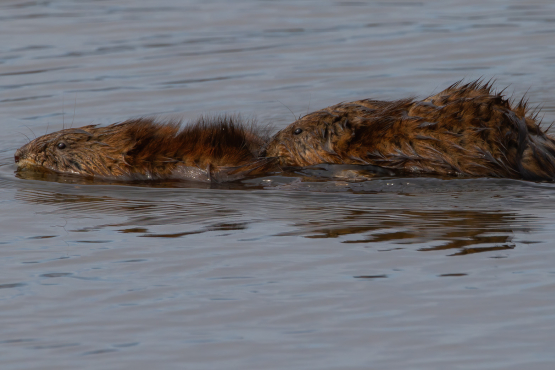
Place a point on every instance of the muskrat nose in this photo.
(17, 156)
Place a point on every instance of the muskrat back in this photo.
(215, 149)
(464, 130)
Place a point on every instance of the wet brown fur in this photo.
(465, 130)
(218, 149)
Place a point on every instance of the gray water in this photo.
(297, 271)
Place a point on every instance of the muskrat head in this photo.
(75, 151)
(313, 139)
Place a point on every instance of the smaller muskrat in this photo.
(210, 150)
(464, 130)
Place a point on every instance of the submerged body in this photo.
(214, 150)
(464, 130)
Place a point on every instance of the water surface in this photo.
(297, 271)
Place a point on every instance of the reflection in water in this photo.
(216, 227)
(373, 220)
(370, 277)
(40, 174)
(466, 231)
(139, 212)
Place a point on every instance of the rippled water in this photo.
(299, 271)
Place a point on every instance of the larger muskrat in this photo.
(210, 150)
(464, 130)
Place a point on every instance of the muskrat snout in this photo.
(18, 155)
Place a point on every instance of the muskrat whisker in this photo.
(74, 105)
(63, 113)
(24, 135)
(30, 130)
(295, 117)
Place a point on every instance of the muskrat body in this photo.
(210, 150)
(464, 130)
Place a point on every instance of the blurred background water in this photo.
(285, 271)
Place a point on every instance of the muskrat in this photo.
(467, 129)
(210, 150)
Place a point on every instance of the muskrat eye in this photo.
(298, 131)
(61, 145)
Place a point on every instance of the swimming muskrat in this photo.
(464, 130)
(210, 150)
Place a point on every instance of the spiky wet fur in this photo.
(467, 129)
(216, 149)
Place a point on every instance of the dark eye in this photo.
(61, 145)
(298, 131)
